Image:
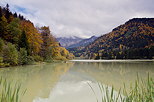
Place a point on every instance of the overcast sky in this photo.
(82, 18)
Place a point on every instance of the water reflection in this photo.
(68, 82)
(37, 79)
(115, 73)
(73, 85)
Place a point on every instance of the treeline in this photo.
(142, 53)
(132, 40)
(22, 43)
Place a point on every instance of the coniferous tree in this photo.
(23, 41)
(4, 28)
(15, 15)
(0, 13)
(21, 17)
(7, 12)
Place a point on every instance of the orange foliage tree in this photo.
(33, 36)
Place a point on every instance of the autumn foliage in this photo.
(22, 43)
(132, 40)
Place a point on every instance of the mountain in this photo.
(67, 41)
(83, 42)
(132, 40)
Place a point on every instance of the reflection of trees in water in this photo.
(38, 79)
(116, 73)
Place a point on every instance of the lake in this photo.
(69, 82)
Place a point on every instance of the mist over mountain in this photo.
(83, 42)
(74, 41)
(67, 41)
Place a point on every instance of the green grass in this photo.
(10, 92)
(141, 91)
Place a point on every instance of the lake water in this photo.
(68, 82)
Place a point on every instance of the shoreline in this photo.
(85, 60)
(37, 63)
(113, 60)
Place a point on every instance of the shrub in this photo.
(23, 56)
(1, 45)
(37, 58)
(1, 59)
(30, 60)
(1, 62)
(59, 58)
(10, 54)
(70, 56)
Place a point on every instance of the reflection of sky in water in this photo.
(72, 87)
(67, 82)
(75, 92)
(70, 92)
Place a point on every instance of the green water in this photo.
(67, 82)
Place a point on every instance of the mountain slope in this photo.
(65, 42)
(83, 42)
(134, 39)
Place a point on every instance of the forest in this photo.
(22, 43)
(132, 40)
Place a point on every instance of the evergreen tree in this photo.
(4, 28)
(7, 6)
(0, 13)
(23, 41)
(15, 15)
(7, 12)
(21, 17)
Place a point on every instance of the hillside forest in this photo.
(22, 43)
(132, 40)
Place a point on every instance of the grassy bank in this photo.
(10, 92)
(141, 91)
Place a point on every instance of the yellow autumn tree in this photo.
(33, 36)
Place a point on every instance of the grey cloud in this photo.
(83, 17)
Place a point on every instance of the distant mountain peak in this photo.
(69, 40)
(70, 37)
(83, 42)
(74, 41)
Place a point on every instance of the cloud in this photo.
(82, 18)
